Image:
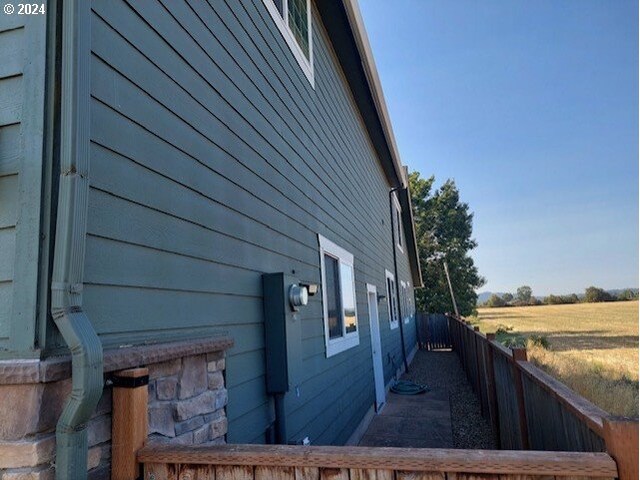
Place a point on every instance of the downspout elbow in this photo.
(87, 381)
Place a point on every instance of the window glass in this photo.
(348, 298)
(334, 309)
(293, 20)
(298, 23)
(278, 4)
(340, 311)
(392, 300)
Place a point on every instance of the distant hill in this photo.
(484, 296)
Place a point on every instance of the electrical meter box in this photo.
(283, 333)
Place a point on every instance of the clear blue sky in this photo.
(532, 107)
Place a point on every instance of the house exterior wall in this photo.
(213, 160)
(22, 91)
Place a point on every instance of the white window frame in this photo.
(282, 22)
(348, 340)
(392, 297)
(397, 223)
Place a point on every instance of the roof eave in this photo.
(364, 48)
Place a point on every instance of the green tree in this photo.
(443, 232)
(595, 294)
(495, 301)
(523, 294)
(507, 298)
(628, 294)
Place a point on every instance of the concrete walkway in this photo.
(418, 421)
(448, 416)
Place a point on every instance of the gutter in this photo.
(69, 251)
(395, 273)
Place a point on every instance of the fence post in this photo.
(476, 335)
(130, 421)
(621, 439)
(520, 355)
(463, 355)
(491, 389)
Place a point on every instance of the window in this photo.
(293, 19)
(392, 300)
(406, 302)
(338, 297)
(397, 213)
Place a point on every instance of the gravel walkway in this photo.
(442, 371)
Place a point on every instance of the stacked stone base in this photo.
(187, 399)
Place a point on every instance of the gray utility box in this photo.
(283, 333)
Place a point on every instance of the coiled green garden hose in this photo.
(404, 387)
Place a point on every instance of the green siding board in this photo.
(231, 174)
(113, 308)
(8, 201)
(116, 263)
(251, 427)
(243, 394)
(8, 249)
(165, 194)
(141, 225)
(11, 52)
(11, 91)
(217, 108)
(6, 296)
(22, 62)
(336, 162)
(10, 22)
(247, 54)
(265, 30)
(10, 150)
(246, 366)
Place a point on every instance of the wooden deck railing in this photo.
(288, 462)
(530, 410)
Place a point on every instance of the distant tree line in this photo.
(524, 297)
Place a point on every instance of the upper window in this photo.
(392, 300)
(397, 213)
(293, 18)
(338, 297)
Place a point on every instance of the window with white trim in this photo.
(293, 19)
(338, 297)
(397, 220)
(392, 300)
(405, 301)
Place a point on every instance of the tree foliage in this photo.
(523, 294)
(595, 294)
(628, 294)
(561, 299)
(443, 232)
(495, 301)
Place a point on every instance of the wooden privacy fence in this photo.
(530, 410)
(433, 331)
(292, 462)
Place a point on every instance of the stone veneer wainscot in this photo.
(187, 399)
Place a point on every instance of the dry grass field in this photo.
(592, 347)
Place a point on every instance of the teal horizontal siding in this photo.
(22, 66)
(214, 161)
